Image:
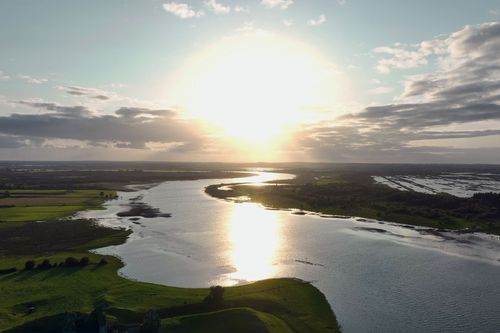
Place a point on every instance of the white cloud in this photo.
(341, 2)
(287, 23)
(317, 21)
(217, 7)
(408, 56)
(31, 79)
(450, 113)
(182, 10)
(282, 4)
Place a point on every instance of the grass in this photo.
(242, 320)
(57, 236)
(40, 205)
(279, 305)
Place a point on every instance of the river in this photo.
(378, 277)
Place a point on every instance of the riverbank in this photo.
(208, 241)
(33, 299)
(358, 195)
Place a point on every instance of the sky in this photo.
(386, 81)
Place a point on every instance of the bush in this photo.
(29, 265)
(44, 265)
(103, 262)
(84, 261)
(71, 262)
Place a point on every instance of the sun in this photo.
(256, 86)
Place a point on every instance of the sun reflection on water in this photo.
(255, 239)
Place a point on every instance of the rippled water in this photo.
(377, 277)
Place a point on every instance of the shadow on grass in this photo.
(61, 271)
(23, 275)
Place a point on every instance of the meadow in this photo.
(22, 205)
(279, 305)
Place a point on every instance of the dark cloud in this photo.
(125, 128)
(10, 142)
(87, 92)
(69, 111)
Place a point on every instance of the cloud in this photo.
(7, 141)
(182, 10)
(67, 111)
(127, 127)
(86, 92)
(317, 21)
(216, 7)
(30, 79)
(281, 4)
(404, 56)
(287, 23)
(457, 102)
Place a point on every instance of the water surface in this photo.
(377, 277)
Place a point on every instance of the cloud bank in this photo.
(127, 127)
(450, 112)
(458, 100)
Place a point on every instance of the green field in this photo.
(279, 305)
(40, 205)
(242, 320)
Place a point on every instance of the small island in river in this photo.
(140, 209)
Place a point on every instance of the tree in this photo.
(29, 265)
(44, 265)
(71, 262)
(215, 295)
(84, 261)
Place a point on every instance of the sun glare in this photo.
(256, 86)
(255, 235)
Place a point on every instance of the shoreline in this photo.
(111, 272)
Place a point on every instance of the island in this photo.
(351, 190)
